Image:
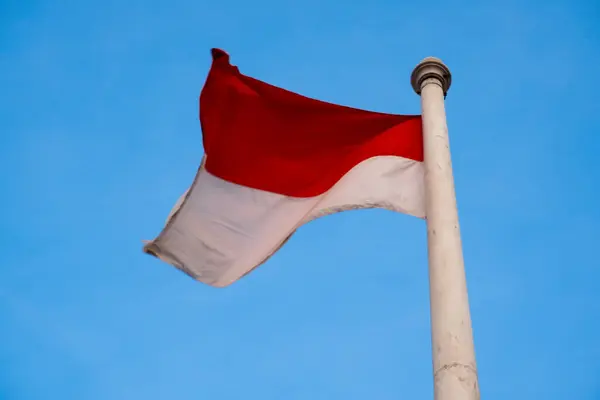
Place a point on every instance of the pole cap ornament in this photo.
(431, 67)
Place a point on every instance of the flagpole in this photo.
(454, 366)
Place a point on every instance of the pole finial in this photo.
(431, 67)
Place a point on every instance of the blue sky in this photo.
(99, 137)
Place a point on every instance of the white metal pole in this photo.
(454, 367)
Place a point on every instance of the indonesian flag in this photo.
(275, 160)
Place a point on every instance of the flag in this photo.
(275, 160)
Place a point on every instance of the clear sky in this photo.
(100, 135)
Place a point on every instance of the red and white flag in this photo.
(275, 160)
